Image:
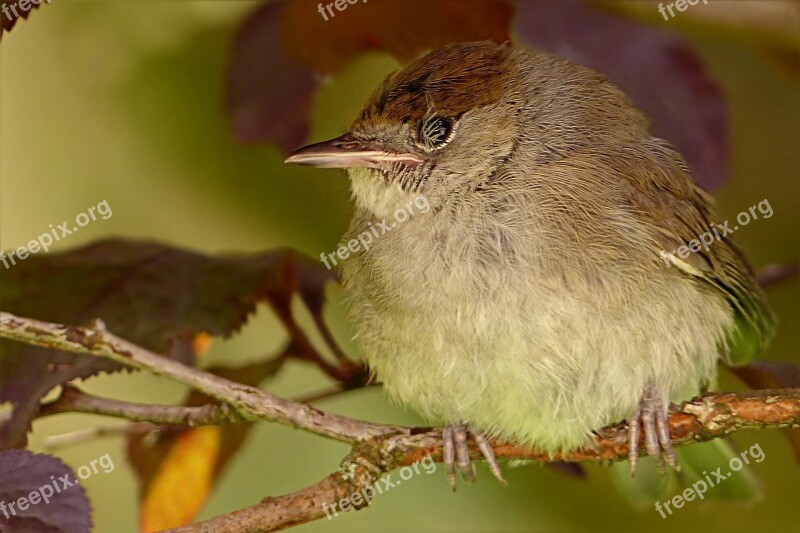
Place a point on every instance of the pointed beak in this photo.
(348, 152)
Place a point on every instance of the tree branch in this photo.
(249, 403)
(73, 400)
(697, 420)
(377, 448)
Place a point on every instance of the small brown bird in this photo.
(538, 299)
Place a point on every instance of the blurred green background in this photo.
(124, 101)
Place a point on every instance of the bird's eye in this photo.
(435, 132)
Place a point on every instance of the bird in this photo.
(553, 286)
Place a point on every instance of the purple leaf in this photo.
(768, 374)
(155, 296)
(771, 274)
(40, 494)
(269, 96)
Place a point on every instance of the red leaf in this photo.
(271, 79)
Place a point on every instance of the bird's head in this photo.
(443, 125)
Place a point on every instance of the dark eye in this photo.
(435, 131)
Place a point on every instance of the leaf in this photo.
(696, 461)
(768, 374)
(274, 41)
(183, 480)
(771, 25)
(155, 296)
(49, 506)
(261, 105)
(647, 487)
(772, 274)
(191, 458)
(656, 68)
(404, 29)
(699, 460)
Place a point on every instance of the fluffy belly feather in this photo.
(537, 363)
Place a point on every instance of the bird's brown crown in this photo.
(451, 81)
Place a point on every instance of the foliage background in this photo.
(124, 101)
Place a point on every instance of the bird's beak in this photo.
(348, 152)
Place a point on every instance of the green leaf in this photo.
(699, 461)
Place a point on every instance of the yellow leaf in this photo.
(183, 481)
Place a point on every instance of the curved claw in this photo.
(462, 455)
(488, 454)
(448, 453)
(456, 451)
(652, 418)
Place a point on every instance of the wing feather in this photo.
(661, 188)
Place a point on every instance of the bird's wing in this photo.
(661, 190)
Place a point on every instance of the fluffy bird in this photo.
(538, 299)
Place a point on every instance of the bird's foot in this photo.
(652, 418)
(456, 451)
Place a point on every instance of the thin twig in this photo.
(328, 393)
(72, 400)
(83, 435)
